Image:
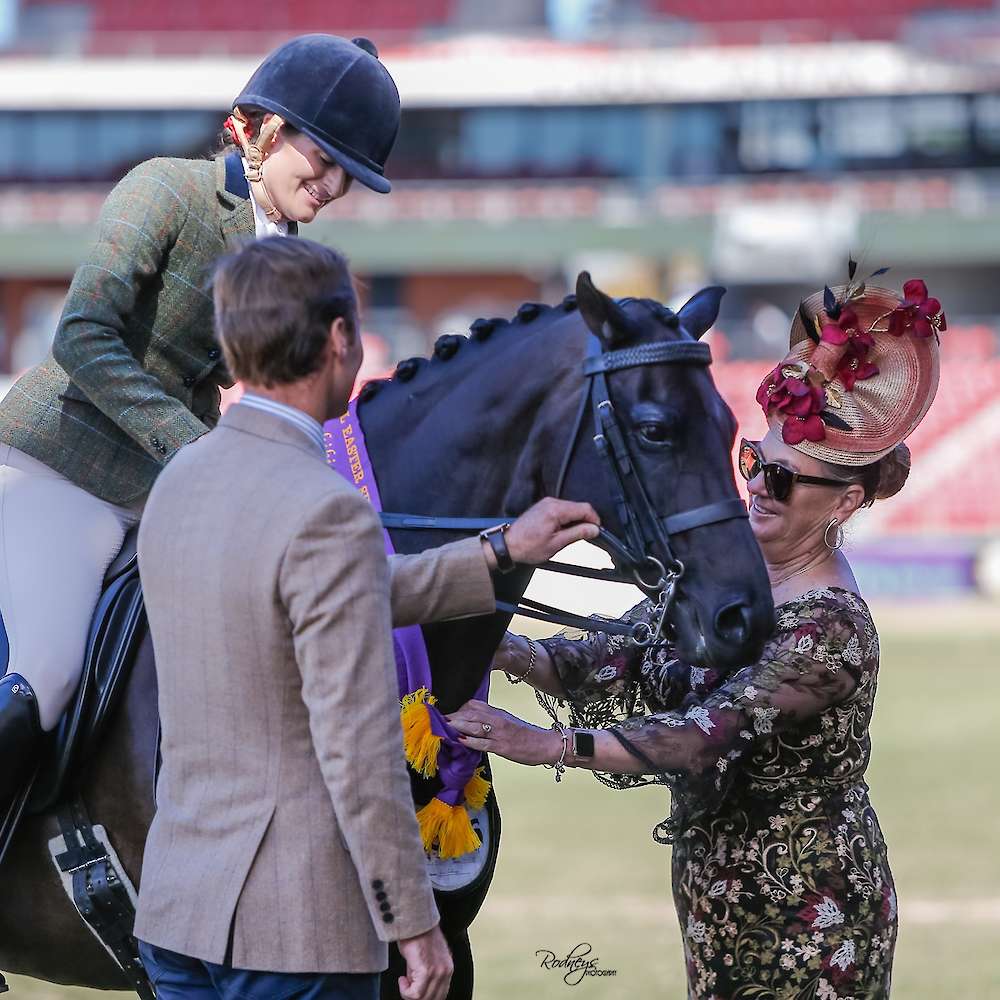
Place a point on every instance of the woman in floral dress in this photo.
(780, 872)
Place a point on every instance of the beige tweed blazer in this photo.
(284, 814)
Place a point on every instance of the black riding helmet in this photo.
(338, 93)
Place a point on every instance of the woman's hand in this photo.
(507, 735)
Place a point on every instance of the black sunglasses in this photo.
(778, 479)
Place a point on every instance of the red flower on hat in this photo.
(845, 331)
(917, 313)
(843, 328)
(799, 401)
(767, 387)
(795, 430)
(854, 366)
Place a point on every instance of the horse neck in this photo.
(478, 434)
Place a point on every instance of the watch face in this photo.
(583, 744)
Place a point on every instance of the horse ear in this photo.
(603, 316)
(701, 310)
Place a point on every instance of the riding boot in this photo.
(21, 740)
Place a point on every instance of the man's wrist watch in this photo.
(583, 744)
(495, 537)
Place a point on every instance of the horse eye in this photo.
(653, 432)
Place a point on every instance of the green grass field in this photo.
(577, 863)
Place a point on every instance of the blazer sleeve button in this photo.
(189, 380)
(377, 883)
(213, 354)
(387, 918)
(380, 895)
(384, 907)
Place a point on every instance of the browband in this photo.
(683, 352)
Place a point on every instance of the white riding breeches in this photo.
(56, 543)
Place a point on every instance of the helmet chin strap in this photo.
(253, 153)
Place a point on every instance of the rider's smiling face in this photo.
(300, 177)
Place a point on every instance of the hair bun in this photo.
(892, 472)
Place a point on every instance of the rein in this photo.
(646, 530)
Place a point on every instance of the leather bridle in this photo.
(646, 530)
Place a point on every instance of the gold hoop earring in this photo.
(838, 538)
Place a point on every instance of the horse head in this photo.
(676, 441)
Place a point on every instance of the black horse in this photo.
(487, 426)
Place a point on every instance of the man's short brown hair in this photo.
(275, 300)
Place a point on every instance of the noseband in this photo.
(646, 531)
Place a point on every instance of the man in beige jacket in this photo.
(285, 852)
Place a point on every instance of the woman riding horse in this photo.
(135, 371)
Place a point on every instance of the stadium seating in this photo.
(738, 22)
(792, 10)
(282, 15)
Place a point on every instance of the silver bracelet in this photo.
(532, 652)
(560, 765)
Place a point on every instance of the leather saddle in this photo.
(116, 630)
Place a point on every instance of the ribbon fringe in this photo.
(447, 828)
(476, 790)
(444, 828)
(420, 744)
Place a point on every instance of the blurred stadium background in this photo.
(663, 145)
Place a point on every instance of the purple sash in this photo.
(347, 454)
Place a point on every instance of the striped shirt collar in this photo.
(312, 428)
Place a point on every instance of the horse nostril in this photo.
(732, 623)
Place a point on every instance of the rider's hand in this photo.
(548, 527)
(428, 966)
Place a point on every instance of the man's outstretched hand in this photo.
(547, 528)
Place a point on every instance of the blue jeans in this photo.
(178, 977)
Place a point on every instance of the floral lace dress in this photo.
(780, 873)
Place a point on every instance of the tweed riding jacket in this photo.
(135, 369)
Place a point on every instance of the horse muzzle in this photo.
(724, 637)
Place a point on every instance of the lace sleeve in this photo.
(609, 679)
(599, 666)
(803, 671)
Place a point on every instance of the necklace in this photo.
(777, 584)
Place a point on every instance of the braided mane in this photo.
(528, 315)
